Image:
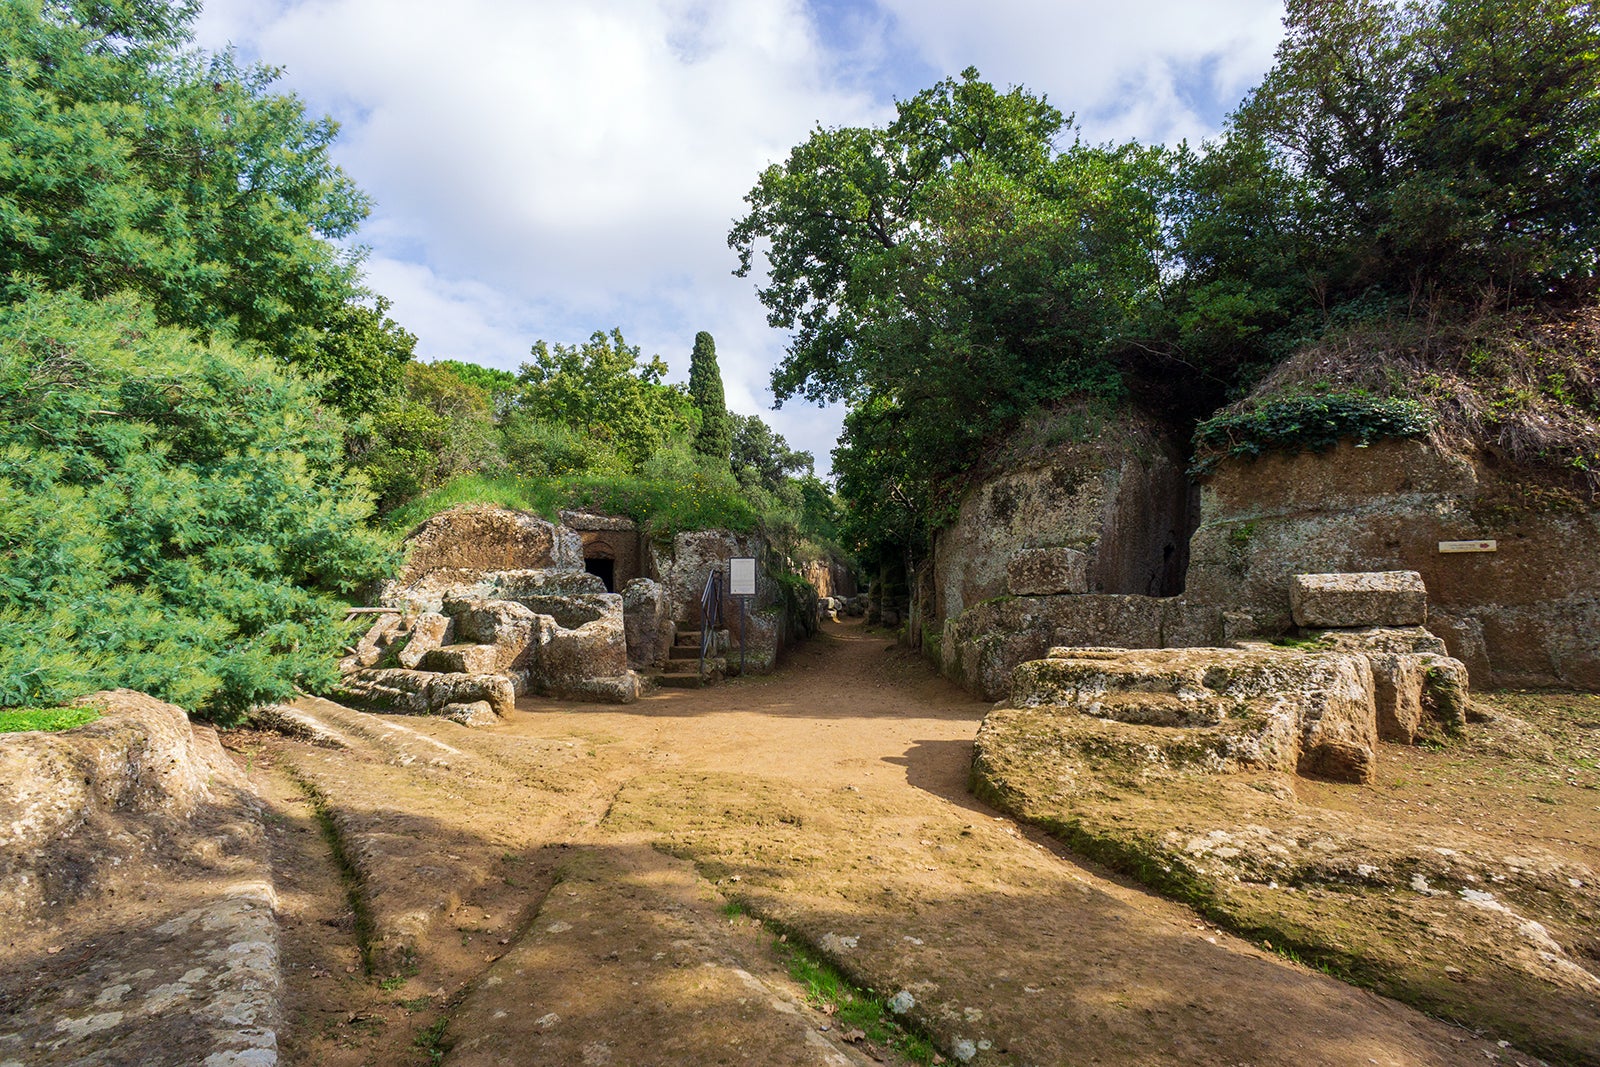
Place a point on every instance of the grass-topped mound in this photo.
(1523, 385)
(659, 507)
(21, 720)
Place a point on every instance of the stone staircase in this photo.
(682, 670)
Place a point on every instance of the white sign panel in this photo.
(741, 577)
(1468, 546)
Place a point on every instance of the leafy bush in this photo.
(1306, 423)
(440, 426)
(174, 517)
(534, 447)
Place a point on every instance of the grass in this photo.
(17, 720)
(354, 888)
(659, 507)
(431, 1040)
(850, 1006)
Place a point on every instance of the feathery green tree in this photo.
(175, 516)
(132, 161)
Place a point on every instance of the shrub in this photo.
(174, 517)
(1306, 423)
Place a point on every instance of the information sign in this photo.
(1451, 547)
(741, 576)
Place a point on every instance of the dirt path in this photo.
(828, 799)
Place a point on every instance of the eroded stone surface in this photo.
(1214, 710)
(1525, 615)
(1415, 681)
(647, 622)
(1047, 572)
(982, 648)
(407, 692)
(484, 538)
(1116, 492)
(151, 846)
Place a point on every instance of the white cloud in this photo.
(1128, 69)
(544, 169)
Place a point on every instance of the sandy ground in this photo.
(575, 886)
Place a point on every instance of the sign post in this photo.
(742, 584)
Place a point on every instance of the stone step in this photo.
(689, 666)
(692, 652)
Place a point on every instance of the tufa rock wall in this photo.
(137, 898)
(482, 537)
(1527, 614)
(1121, 499)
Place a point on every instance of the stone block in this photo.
(1371, 598)
(427, 632)
(1444, 691)
(1185, 624)
(477, 713)
(409, 692)
(491, 622)
(1047, 572)
(467, 659)
(646, 623)
(1400, 658)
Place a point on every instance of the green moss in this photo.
(18, 720)
(854, 1007)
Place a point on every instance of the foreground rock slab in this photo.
(629, 961)
(138, 923)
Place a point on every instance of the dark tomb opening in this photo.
(605, 569)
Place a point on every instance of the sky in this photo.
(543, 169)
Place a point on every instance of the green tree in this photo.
(437, 428)
(761, 457)
(948, 272)
(705, 389)
(1452, 144)
(500, 385)
(132, 161)
(361, 357)
(174, 516)
(603, 391)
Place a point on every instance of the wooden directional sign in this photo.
(1450, 547)
(741, 576)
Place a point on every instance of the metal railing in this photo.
(710, 614)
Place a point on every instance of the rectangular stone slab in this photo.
(1372, 598)
(1047, 572)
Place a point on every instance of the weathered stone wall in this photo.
(1527, 614)
(609, 537)
(682, 565)
(980, 649)
(482, 537)
(1121, 499)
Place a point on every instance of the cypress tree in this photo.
(705, 389)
